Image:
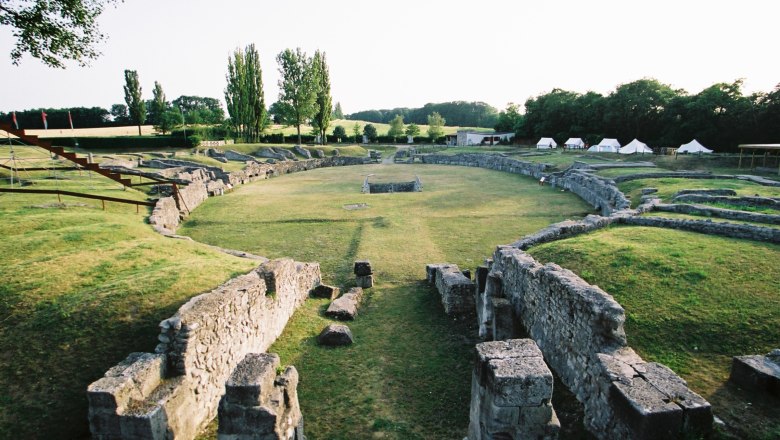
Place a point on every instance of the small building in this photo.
(574, 144)
(546, 143)
(466, 138)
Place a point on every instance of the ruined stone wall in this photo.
(488, 161)
(579, 329)
(175, 392)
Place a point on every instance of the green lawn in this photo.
(81, 289)
(692, 302)
(408, 375)
(668, 186)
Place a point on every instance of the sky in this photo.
(405, 53)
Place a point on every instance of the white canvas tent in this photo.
(636, 147)
(693, 147)
(574, 143)
(546, 143)
(607, 145)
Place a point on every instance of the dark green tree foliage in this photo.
(169, 119)
(135, 103)
(369, 131)
(337, 112)
(509, 120)
(412, 130)
(396, 127)
(435, 126)
(339, 132)
(324, 102)
(460, 113)
(120, 114)
(244, 94)
(58, 118)
(200, 110)
(157, 106)
(297, 88)
(54, 31)
(719, 116)
(356, 131)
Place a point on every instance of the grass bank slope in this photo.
(81, 289)
(408, 374)
(692, 302)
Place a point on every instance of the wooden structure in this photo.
(766, 148)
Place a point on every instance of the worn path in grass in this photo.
(408, 375)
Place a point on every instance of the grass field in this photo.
(692, 302)
(408, 375)
(668, 186)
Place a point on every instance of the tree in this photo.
(323, 102)
(412, 130)
(339, 133)
(135, 103)
(297, 88)
(509, 119)
(200, 110)
(120, 114)
(244, 94)
(158, 105)
(54, 31)
(337, 112)
(369, 131)
(356, 131)
(435, 124)
(169, 119)
(396, 127)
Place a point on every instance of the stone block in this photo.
(757, 373)
(363, 267)
(324, 291)
(645, 411)
(252, 377)
(503, 319)
(522, 381)
(346, 306)
(364, 281)
(697, 412)
(335, 335)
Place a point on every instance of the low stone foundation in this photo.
(457, 291)
(175, 392)
(259, 402)
(511, 389)
(758, 373)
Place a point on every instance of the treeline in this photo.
(457, 113)
(719, 116)
(196, 110)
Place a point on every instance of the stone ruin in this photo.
(579, 330)
(392, 187)
(175, 392)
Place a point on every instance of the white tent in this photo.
(574, 143)
(693, 147)
(635, 147)
(607, 145)
(546, 143)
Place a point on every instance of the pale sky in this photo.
(403, 53)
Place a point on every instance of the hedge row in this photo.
(128, 142)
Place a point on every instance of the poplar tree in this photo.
(159, 105)
(135, 103)
(297, 88)
(396, 127)
(323, 101)
(244, 94)
(337, 112)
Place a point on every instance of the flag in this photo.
(45, 124)
(16, 123)
(70, 119)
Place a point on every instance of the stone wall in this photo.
(488, 161)
(579, 328)
(456, 291)
(710, 211)
(175, 392)
(260, 403)
(733, 230)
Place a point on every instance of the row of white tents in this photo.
(610, 145)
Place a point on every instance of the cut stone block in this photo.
(363, 267)
(324, 291)
(346, 307)
(758, 373)
(335, 335)
(365, 281)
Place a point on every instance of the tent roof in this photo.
(546, 141)
(574, 141)
(693, 147)
(603, 149)
(610, 142)
(635, 146)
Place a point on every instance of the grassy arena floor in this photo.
(408, 375)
